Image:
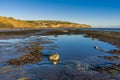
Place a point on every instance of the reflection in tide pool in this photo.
(75, 54)
(76, 47)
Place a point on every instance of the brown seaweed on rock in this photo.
(32, 57)
(113, 58)
(112, 69)
(114, 51)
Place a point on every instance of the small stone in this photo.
(96, 47)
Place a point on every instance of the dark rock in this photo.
(110, 57)
(32, 57)
(112, 69)
(114, 51)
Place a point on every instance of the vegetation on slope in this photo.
(13, 23)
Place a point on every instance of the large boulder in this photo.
(54, 57)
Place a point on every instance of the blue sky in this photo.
(93, 12)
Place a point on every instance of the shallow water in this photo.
(76, 47)
(73, 50)
(103, 29)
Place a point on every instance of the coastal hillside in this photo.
(13, 23)
(9, 22)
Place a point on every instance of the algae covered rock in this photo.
(32, 57)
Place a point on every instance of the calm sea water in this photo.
(104, 29)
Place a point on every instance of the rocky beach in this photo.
(59, 40)
(22, 57)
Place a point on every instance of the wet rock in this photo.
(82, 71)
(93, 38)
(56, 35)
(112, 69)
(23, 78)
(32, 57)
(117, 57)
(114, 51)
(75, 67)
(64, 30)
(96, 47)
(15, 62)
(54, 57)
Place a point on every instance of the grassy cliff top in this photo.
(10, 22)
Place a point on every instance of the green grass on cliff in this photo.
(9, 22)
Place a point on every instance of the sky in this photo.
(97, 13)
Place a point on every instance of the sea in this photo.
(103, 29)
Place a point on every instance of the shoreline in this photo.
(68, 71)
(110, 37)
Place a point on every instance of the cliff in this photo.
(14, 23)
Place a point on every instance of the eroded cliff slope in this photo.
(9, 22)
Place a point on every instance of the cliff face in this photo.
(57, 24)
(13, 23)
